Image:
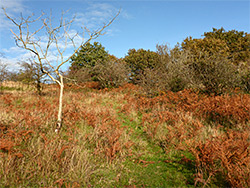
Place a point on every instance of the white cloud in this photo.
(125, 14)
(14, 49)
(12, 63)
(98, 14)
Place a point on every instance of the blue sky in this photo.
(141, 24)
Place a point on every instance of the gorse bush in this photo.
(140, 60)
(216, 60)
(233, 45)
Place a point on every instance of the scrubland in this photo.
(122, 138)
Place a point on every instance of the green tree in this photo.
(233, 45)
(238, 43)
(88, 56)
(140, 60)
(83, 63)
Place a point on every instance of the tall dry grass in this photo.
(104, 128)
(33, 155)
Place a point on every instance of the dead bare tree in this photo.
(58, 37)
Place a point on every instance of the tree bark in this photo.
(59, 116)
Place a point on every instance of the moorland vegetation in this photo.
(170, 118)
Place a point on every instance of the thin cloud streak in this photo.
(98, 14)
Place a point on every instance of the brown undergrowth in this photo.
(214, 129)
(31, 152)
(226, 156)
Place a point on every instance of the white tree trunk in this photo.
(59, 116)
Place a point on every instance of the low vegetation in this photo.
(122, 138)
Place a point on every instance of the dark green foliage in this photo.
(83, 63)
(88, 56)
(139, 60)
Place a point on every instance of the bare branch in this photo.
(93, 36)
(25, 38)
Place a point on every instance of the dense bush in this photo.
(214, 64)
(234, 45)
(238, 43)
(111, 73)
(219, 60)
(245, 78)
(180, 69)
(140, 60)
(171, 73)
(80, 76)
(215, 75)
